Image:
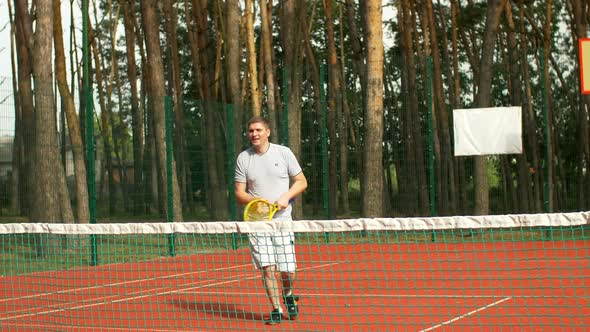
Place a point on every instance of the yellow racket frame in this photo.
(256, 205)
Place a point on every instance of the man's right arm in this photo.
(242, 197)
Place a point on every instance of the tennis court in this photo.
(357, 280)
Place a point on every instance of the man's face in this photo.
(258, 134)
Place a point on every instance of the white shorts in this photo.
(273, 249)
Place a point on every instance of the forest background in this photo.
(138, 112)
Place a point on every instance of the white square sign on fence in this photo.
(487, 131)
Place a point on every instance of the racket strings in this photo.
(259, 211)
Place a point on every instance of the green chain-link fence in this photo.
(205, 137)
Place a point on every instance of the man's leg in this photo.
(271, 285)
(272, 292)
(287, 279)
(291, 300)
(287, 264)
(263, 255)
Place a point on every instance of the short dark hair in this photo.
(259, 119)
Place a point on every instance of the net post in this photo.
(90, 146)
(231, 150)
(169, 187)
(324, 148)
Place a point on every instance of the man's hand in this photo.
(282, 203)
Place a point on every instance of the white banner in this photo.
(486, 131)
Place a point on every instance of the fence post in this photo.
(324, 148)
(231, 151)
(285, 109)
(90, 146)
(431, 156)
(547, 142)
(169, 186)
(324, 143)
(548, 159)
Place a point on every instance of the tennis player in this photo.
(265, 170)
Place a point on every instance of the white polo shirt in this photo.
(267, 175)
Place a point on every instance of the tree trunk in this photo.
(413, 165)
(17, 147)
(292, 33)
(373, 151)
(315, 81)
(515, 79)
(217, 192)
(83, 213)
(356, 43)
(483, 99)
(175, 91)
(450, 207)
(358, 58)
(552, 159)
(461, 187)
(583, 192)
(110, 86)
(156, 69)
(417, 149)
(233, 59)
(121, 146)
(529, 125)
(335, 107)
(266, 24)
(25, 94)
(47, 196)
(105, 129)
(447, 179)
(343, 126)
(423, 57)
(137, 121)
(251, 54)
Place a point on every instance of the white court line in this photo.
(104, 298)
(78, 289)
(149, 294)
(412, 296)
(466, 315)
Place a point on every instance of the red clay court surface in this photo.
(522, 286)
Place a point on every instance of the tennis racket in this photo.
(260, 210)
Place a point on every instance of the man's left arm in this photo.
(299, 185)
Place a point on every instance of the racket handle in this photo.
(290, 201)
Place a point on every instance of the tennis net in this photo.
(521, 272)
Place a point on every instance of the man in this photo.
(264, 171)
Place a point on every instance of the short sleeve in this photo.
(293, 165)
(240, 173)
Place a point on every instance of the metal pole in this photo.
(285, 109)
(169, 186)
(230, 171)
(431, 156)
(90, 144)
(324, 149)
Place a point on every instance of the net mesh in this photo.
(522, 272)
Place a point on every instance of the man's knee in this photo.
(269, 270)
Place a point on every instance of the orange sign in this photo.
(584, 46)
